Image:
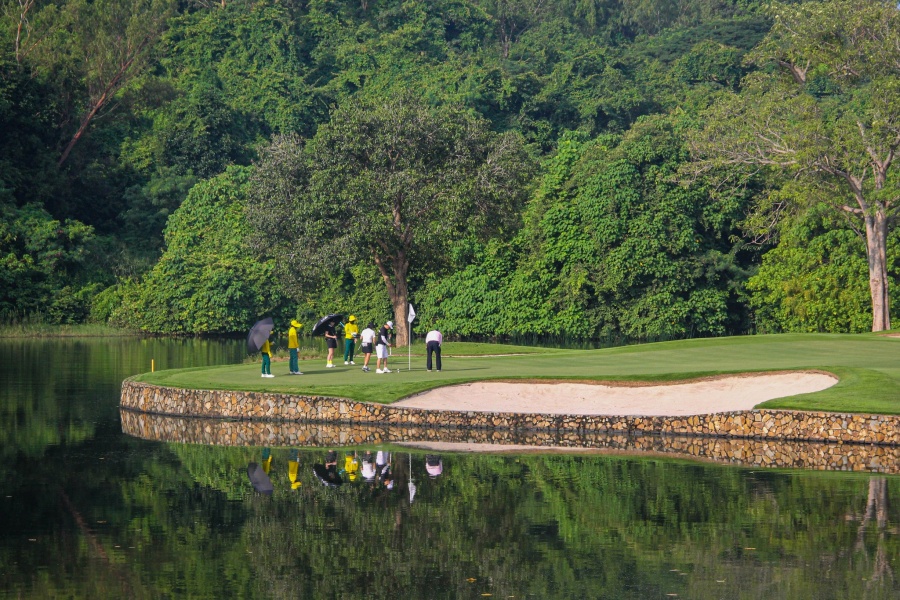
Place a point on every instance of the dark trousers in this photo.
(436, 348)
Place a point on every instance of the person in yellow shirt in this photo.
(266, 352)
(294, 347)
(351, 332)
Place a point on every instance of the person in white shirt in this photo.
(433, 342)
(367, 343)
(381, 348)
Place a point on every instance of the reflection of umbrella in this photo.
(327, 476)
(326, 322)
(259, 333)
(258, 478)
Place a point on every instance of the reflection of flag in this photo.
(412, 314)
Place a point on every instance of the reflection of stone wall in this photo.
(767, 424)
(747, 452)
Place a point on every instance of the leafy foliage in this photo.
(205, 280)
(392, 182)
(40, 258)
(612, 246)
(815, 279)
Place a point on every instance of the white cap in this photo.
(390, 324)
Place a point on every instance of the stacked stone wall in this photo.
(753, 424)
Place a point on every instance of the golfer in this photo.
(294, 347)
(266, 352)
(331, 342)
(351, 332)
(367, 343)
(433, 342)
(381, 348)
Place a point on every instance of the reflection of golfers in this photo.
(294, 468)
(381, 349)
(267, 460)
(351, 466)
(434, 465)
(266, 352)
(383, 469)
(367, 339)
(433, 342)
(368, 470)
(351, 332)
(294, 347)
(331, 342)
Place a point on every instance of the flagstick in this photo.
(411, 315)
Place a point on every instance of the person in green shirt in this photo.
(351, 332)
(294, 347)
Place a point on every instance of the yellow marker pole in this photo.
(152, 365)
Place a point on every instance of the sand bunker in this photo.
(710, 395)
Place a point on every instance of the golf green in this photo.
(868, 366)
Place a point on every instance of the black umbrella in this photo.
(326, 322)
(259, 333)
(259, 480)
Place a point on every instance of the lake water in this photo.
(89, 512)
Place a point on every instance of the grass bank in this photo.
(868, 366)
(42, 330)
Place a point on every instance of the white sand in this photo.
(708, 395)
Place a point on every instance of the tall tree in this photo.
(113, 41)
(390, 181)
(823, 111)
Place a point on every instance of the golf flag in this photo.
(410, 317)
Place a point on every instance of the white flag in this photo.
(412, 314)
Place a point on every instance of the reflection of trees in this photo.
(540, 526)
(560, 527)
(108, 515)
(877, 510)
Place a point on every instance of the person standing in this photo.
(266, 352)
(351, 332)
(331, 342)
(367, 341)
(433, 342)
(381, 348)
(294, 347)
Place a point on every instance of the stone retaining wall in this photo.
(746, 452)
(758, 424)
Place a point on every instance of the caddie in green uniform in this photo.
(294, 347)
(351, 332)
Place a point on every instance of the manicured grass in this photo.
(867, 364)
(449, 350)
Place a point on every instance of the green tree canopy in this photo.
(824, 110)
(392, 181)
(206, 281)
(612, 246)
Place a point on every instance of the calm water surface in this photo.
(87, 512)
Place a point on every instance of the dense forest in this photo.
(579, 169)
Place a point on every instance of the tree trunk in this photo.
(876, 252)
(400, 302)
(398, 291)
